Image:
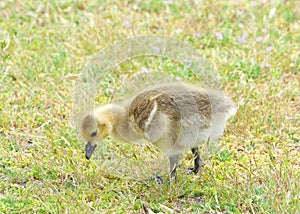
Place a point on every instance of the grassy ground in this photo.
(256, 48)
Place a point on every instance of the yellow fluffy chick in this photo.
(173, 116)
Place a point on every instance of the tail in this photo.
(220, 103)
(230, 108)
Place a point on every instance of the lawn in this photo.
(44, 47)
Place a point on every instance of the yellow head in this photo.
(93, 129)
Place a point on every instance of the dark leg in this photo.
(173, 165)
(198, 162)
(158, 179)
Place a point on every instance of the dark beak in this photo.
(89, 150)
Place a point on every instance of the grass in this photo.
(255, 47)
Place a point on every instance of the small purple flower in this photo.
(264, 30)
(178, 78)
(269, 48)
(144, 70)
(199, 35)
(288, 196)
(259, 39)
(243, 40)
(264, 65)
(219, 35)
(111, 90)
(126, 24)
(156, 49)
(253, 3)
(240, 12)
(241, 25)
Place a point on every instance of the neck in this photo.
(121, 130)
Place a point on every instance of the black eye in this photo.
(94, 134)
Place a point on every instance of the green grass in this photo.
(42, 164)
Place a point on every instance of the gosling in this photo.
(174, 117)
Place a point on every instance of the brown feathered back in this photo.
(176, 100)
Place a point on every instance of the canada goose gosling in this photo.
(173, 116)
